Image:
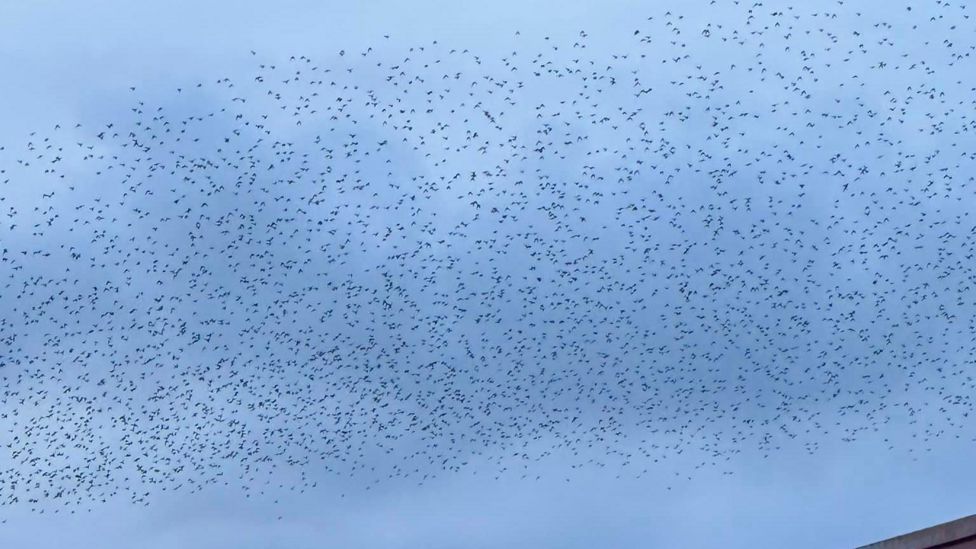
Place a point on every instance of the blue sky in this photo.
(65, 63)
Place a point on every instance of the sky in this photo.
(854, 480)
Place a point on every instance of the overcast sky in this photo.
(64, 61)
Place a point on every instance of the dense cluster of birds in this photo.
(749, 228)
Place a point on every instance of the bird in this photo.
(724, 238)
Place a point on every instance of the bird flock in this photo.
(732, 230)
